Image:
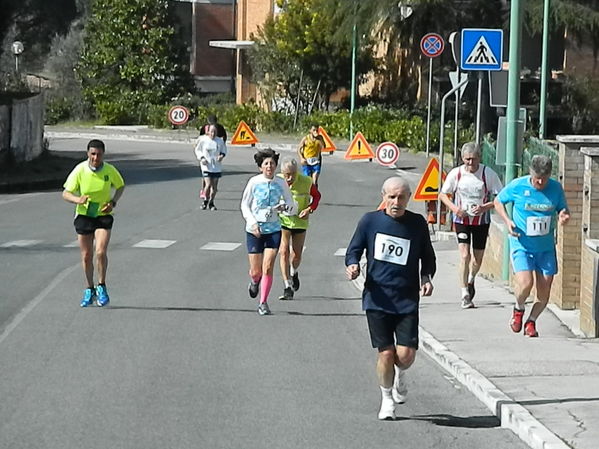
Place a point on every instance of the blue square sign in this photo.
(482, 49)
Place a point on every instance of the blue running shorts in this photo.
(307, 170)
(545, 262)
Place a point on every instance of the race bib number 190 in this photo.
(391, 249)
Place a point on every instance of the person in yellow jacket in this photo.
(309, 152)
(293, 227)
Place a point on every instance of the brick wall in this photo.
(590, 261)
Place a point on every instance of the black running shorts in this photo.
(85, 225)
(387, 329)
(475, 233)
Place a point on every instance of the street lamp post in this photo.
(544, 71)
(17, 49)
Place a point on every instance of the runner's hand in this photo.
(461, 213)
(511, 229)
(426, 289)
(83, 199)
(352, 271)
(256, 231)
(304, 213)
(107, 208)
(563, 216)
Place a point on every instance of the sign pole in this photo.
(455, 121)
(544, 72)
(479, 102)
(430, 94)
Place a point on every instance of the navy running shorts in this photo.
(256, 245)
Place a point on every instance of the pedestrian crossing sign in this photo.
(243, 135)
(359, 148)
(328, 143)
(482, 49)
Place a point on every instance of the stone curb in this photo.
(511, 414)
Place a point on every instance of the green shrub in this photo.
(58, 109)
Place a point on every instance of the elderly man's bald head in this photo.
(395, 182)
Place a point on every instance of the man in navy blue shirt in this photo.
(400, 262)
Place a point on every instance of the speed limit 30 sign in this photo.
(387, 154)
(178, 115)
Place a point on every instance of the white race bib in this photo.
(391, 249)
(313, 160)
(536, 226)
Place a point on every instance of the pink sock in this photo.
(256, 279)
(265, 287)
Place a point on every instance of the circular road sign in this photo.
(432, 45)
(387, 153)
(178, 115)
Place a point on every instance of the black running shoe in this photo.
(287, 294)
(205, 205)
(253, 289)
(212, 206)
(295, 282)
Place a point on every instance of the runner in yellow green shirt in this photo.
(94, 186)
(293, 227)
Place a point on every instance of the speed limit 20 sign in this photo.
(387, 154)
(178, 115)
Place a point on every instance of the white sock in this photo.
(465, 292)
(287, 284)
(471, 279)
(292, 270)
(517, 307)
(386, 392)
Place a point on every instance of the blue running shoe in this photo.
(103, 298)
(88, 297)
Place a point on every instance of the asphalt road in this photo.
(180, 359)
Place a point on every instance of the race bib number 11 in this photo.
(391, 249)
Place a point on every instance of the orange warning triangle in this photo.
(328, 143)
(243, 135)
(428, 187)
(359, 148)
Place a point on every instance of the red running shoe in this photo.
(530, 330)
(516, 321)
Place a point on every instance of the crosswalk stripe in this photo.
(220, 246)
(20, 243)
(154, 244)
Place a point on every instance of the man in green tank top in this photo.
(293, 227)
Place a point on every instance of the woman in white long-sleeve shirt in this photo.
(263, 198)
(210, 151)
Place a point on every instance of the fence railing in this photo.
(534, 146)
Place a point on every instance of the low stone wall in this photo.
(492, 266)
(22, 128)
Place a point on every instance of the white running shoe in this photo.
(387, 410)
(400, 389)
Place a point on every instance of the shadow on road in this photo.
(469, 422)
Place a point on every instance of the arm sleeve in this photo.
(315, 194)
(72, 182)
(246, 205)
(505, 194)
(199, 152)
(222, 148)
(357, 244)
(495, 185)
(117, 179)
(223, 133)
(449, 185)
(428, 260)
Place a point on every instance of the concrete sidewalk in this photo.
(544, 389)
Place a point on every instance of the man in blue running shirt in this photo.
(400, 262)
(537, 200)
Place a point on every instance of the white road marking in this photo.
(29, 307)
(20, 243)
(74, 244)
(154, 244)
(18, 198)
(220, 246)
(341, 252)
